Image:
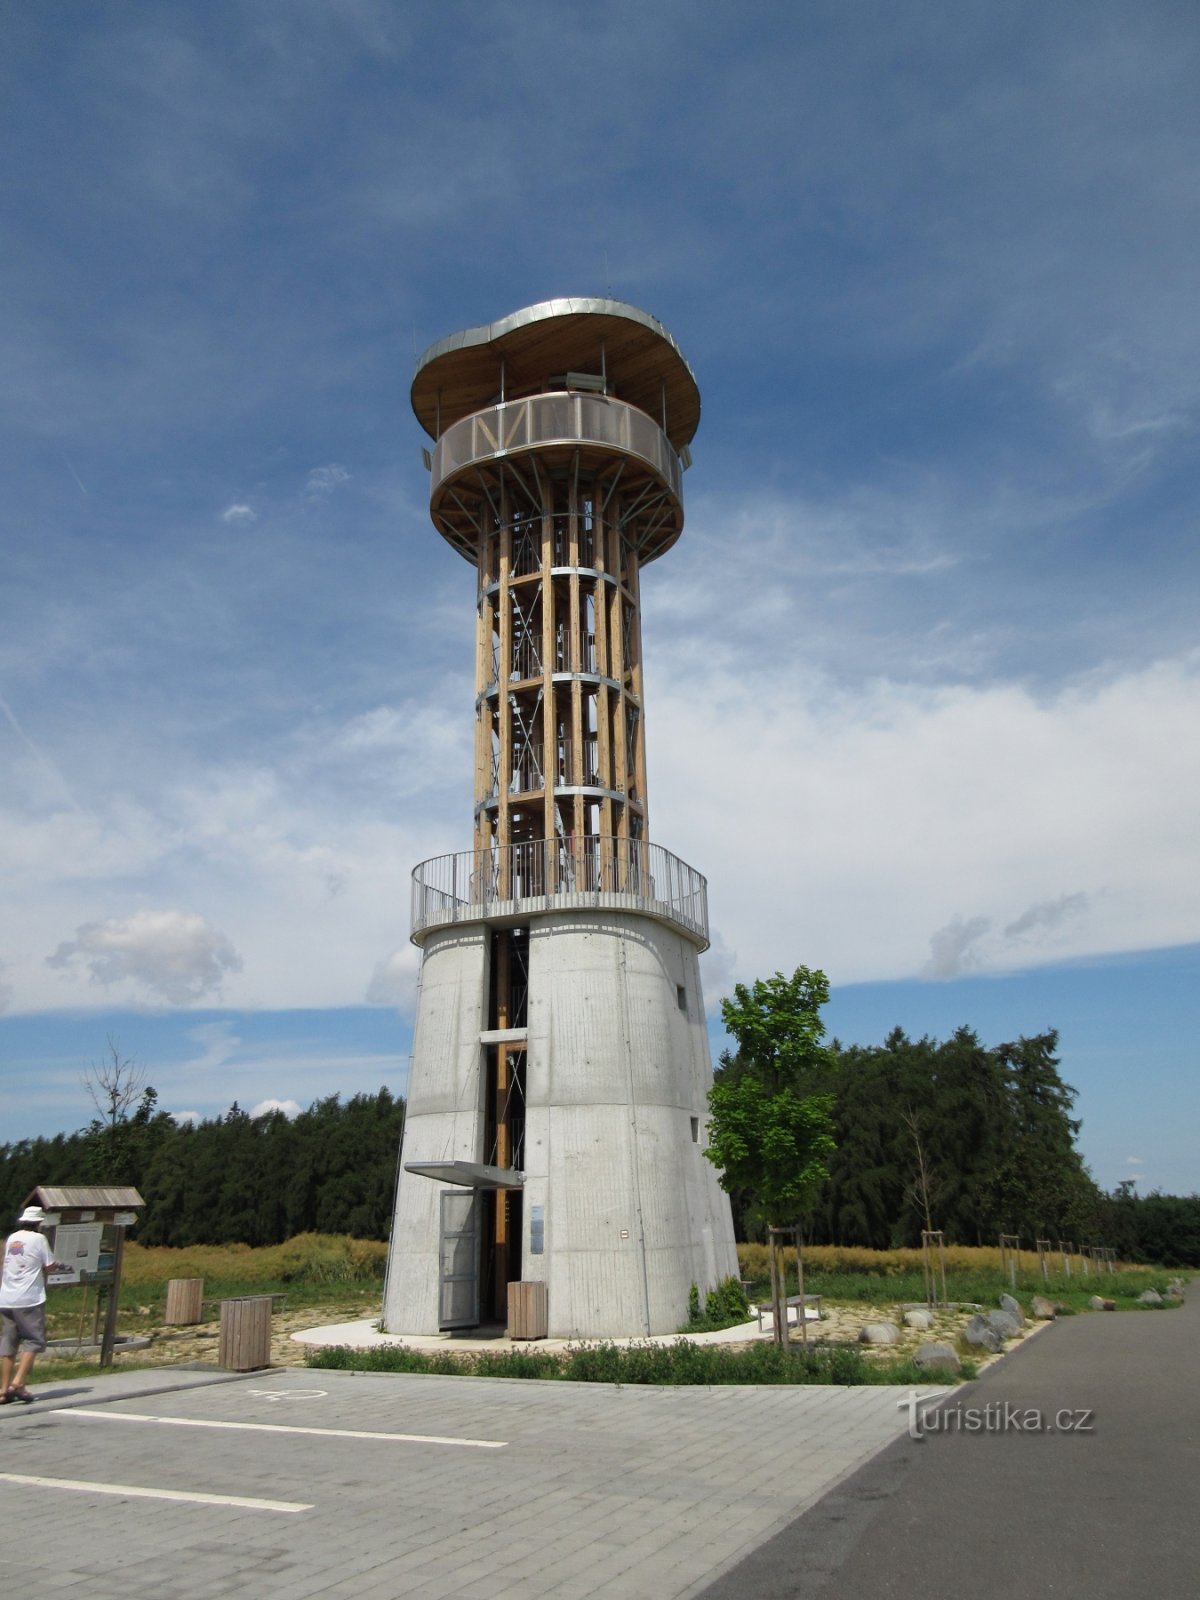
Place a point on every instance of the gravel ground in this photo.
(840, 1323)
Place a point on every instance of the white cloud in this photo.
(324, 480)
(1134, 1161)
(879, 830)
(182, 1117)
(173, 954)
(394, 981)
(6, 990)
(290, 1108)
(239, 513)
(844, 827)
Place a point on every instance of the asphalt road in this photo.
(1109, 1506)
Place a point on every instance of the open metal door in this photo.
(458, 1301)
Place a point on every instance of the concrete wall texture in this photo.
(444, 1117)
(617, 1073)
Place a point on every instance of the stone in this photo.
(922, 1321)
(1003, 1323)
(937, 1358)
(1013, 1307)
(1044, 1310)
(879, 1333)
(1150, 1297)
(981, 1335)
(1099, 1303)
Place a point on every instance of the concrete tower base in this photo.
(620, 1213)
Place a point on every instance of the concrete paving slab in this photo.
(100, 1388)
(596, 1490)
(365, 1335)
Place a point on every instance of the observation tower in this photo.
(557, 1111)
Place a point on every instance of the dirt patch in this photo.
(176, 1346)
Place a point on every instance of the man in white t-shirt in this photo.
(27, 1258)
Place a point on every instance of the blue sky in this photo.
(923, 675)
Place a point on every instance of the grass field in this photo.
(973, 1275)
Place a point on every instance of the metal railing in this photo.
(556, 875)
(561, 418)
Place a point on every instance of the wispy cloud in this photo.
(952, 948)
(324, 480)
(1047, 914)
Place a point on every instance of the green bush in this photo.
(725, 1306)
(660, 1365)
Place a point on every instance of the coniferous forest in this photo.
(972, 1139)
(233, 1179)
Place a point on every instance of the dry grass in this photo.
(309, 1258)
(832, 1258)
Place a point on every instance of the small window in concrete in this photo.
(681, 997)
(695, 1130)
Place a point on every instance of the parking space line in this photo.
(136, 1492)
(277, 1427)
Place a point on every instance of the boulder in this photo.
(1044, 1310)
(879, 1333)
(1150, 1297)
(1013, 1307)
(1003, 1323)
(1099, 1303)
(981, 1335)
(922, 1321)
(937, 1358)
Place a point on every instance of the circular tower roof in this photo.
(540, 344)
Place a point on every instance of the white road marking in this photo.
(277, 1427)
(275, 1395)
(135, 1492)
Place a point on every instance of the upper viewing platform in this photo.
(614, 348)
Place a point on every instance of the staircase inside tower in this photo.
(504, 1119)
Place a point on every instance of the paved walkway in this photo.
(365, 1335)
(1110, 1508)
(296, 1484)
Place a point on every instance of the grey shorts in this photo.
(22, 1328)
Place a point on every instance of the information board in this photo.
(76, 1247)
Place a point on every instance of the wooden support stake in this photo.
(114, 1295)
(800, 1285)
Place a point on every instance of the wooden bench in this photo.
(792, 1303)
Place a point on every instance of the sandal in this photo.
(23, 1395)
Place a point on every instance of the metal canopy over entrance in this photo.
(468, 1174)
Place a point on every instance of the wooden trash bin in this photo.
(528, 1310)
(184, 1296)
(245, 1341)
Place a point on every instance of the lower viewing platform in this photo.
(507, 884)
